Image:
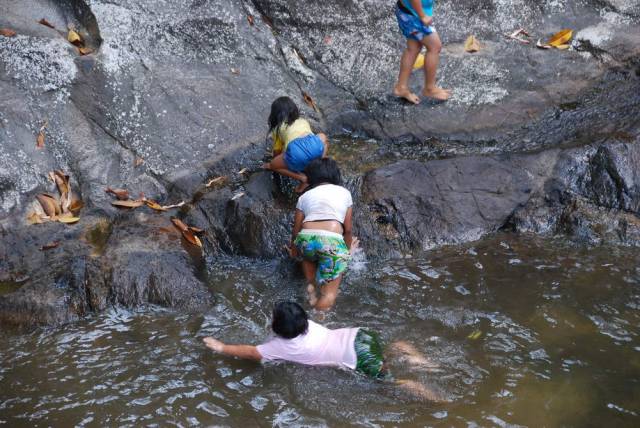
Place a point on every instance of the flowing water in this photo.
(526, 331)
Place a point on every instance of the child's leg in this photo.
(409, 354)
(418, 390)
(278, 165)
(432, 58)
(309, 271)
(328, 294)
(325, 143)
(406, 66)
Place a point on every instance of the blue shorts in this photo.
(412, 27)
(303, 150)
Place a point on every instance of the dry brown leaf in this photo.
(46, 23)
(85, 51)
(154, 205)
(563, 47)
(243, 171)
(68, 219)
(235, 71)
(76, 205)
(560, 38)
(127, 204)
(40, 139)
(35, 218)
(196, 229)
(237, 196)
(120, 194)
(49, 204)
(138, 161)
(50, 246)
(74, 38)
(62, 182)
(191, 238)
(250, 19)
(7, 32)
(178, 205)
(471, 44)
(309, 101)
(215, 181)
(179, 224)
(267, 21)
(516, 33)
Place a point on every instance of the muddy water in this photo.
(526, 331)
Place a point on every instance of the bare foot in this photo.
(404, 92)
(420, 391)
(311, 295)
(408, 353)
(437, 93)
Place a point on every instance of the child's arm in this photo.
(297, 227)
(417, 6)
(247, 352)
(348, 225)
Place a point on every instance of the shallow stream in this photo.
(526, 331)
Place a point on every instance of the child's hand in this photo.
(293, 251)
(427, 20)
(355, 245)
(213, 344)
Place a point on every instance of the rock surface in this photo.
(178, 92)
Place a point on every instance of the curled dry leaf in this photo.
(50, 245)
(560, 38)
(243, 171)
(186, 231)
(563, 47)
(46, 23)
(471, 44)
(35, 218)
(76, 205)
(250, 19)
(237, 196)
(7, 32)
(85, 50)
(154, 205)
(138, 161)
(309, 101)
(215, 181)
(235, 71)
(178, 205)
(74, 38)
(127, 204)
(419, 61)
(62, 182)
(68, 219)
(196, 229)
(517, 33)
(179, 224)
(120, 194)
(40, 139)
(542, 46)
(49, 204)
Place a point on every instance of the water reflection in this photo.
(527, 331)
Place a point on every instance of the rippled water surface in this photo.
(526, 331)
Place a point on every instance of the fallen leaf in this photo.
(563, 47)
(50, 246)
(327, 40)
(138, 161)
(516, 33)
(196, 229)
(85, 50)
(215, 180)
(40, 139)
(250, 19)
(76, 205)
(74, 38)
(154, 205)
(178, 205)
(243, 171)
(68, 219)
(471, 44)
(235, 71)
(127, 204)
(35, 218)
(46, 23)
(475, 335)
(419, 62)
(49, 204)
(121, 194)
(179, 224)
(193, 239)
(62, 182)
(560, 38)
(237, 196)
(309, 101)
(541, 46)
(7, 32)
(267, 21)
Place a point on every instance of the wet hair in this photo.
(289, 320)
(283, 110)
(323, 170)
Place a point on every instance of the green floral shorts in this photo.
(327, 249)
(369, 352)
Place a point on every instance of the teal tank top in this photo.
(427, 7)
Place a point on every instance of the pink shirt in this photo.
(320, 346)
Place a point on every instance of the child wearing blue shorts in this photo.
(415, 19)
(294, 144)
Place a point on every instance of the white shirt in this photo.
(325, 202)
(320, 346)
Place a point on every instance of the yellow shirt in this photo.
(284, 134)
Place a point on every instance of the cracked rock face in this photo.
(178, 92)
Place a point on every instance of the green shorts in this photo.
(325, 248)
(370, 360)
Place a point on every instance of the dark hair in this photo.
(323, 170)
(289, 320)
(283, 110)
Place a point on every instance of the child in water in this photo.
(294, 144)
(415, 19)
(322, 231)
(302, 341)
